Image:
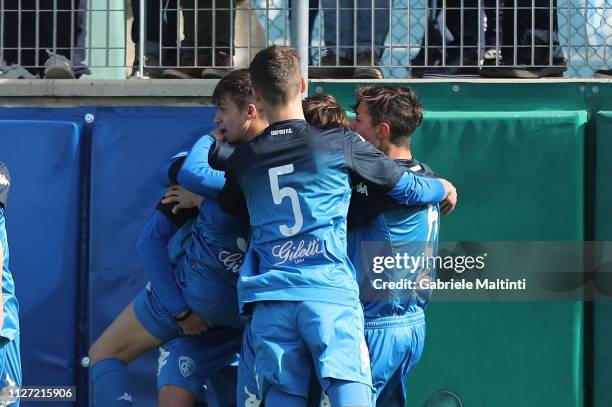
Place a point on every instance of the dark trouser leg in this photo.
(157, 12)
(222, 16)
(534, 28)
(454, 19)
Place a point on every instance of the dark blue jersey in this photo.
(379, 227)
(10, 327)
(294, 182)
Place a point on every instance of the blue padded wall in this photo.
(44, 157)
(128, 147)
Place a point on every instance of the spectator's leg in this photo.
(532, 41)
(371, 40)
(170, 31)
(462, 23)
(338, 35)
(224, 18)
(155, 14)
(313, 11)
(429, 58)
(550, 29)
(15, 23)
(538, 33)
(338, 27)
(494, 34)
(223, 49)
(80, 33)
(196, 29)
(366, 39)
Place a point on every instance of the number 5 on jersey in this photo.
(279, 194)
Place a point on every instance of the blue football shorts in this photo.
(395, 344)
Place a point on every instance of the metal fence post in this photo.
(142, 38)
(299, 33)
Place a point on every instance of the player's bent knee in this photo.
(97, 353)
(101, 350)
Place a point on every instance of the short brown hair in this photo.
(397, 106)
(237, 86)
(322, 110)
(275, 72)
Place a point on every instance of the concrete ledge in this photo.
(193, 92)
(107, 88)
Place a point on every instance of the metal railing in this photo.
(409, 38)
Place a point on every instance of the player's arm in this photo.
(153, 247)
(231, 198)
(209, 208)
(369, 165)
(181, 198)
(196, 173)
(219, 155)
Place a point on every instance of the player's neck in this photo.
(256, 129)
(290, 111)
(397, 153)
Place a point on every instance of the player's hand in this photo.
(195, 324)
(450, 199)
(218, 134)
(183, 198)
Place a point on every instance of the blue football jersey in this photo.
(10, 327)
(379, 227)
(218, 240)
(293, 181)
(206, 237)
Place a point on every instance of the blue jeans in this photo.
(355, 30)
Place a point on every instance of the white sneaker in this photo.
(58, 67)
(14, 72)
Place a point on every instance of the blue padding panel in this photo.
(128, 147)
(42, 218)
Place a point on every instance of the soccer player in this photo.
(387, 116)
(200, 296)
(394, 328)
(322, 110)
(293, 183)
(10, 359)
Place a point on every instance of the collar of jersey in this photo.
(285, 122)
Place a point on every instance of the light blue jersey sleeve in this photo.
(153, 248)
(415, 190)
(197, 175)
